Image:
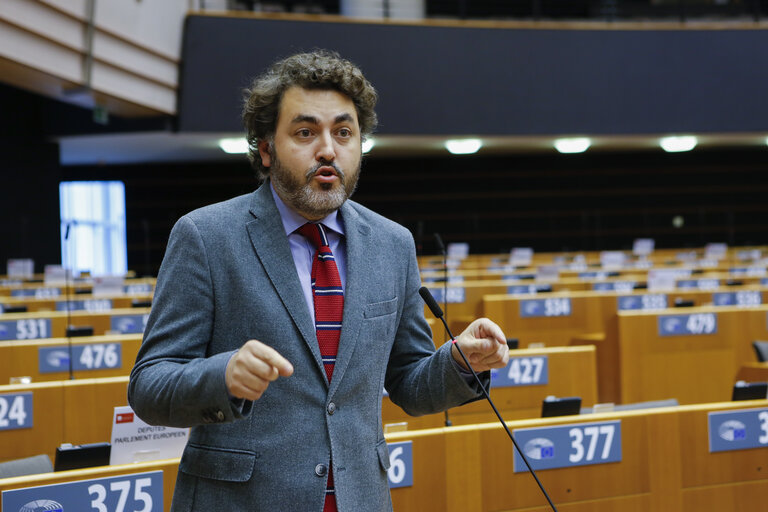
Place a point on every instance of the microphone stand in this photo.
(67, 278)
(441, 248)
(435, 308)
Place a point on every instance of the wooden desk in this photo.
(691, 368)
(85, 302)
(100, 321)
(42, 290)
(571, 373)
(22, 357)
(665, 467)
(73, 411)
(593, 321)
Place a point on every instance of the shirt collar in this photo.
(293, 221)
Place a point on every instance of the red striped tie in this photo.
(328, 296)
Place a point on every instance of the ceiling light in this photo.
(368, 144)
(234, 146)
(573, 145)
(463, 146)
(678, 143)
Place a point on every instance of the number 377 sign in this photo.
(564, 446)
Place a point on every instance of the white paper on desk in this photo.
(521, 257)
(56, 275)
(21, 268)
(643, 246)
(108, 286)
(662, 280)
(715, 251)
(135, 441)
(457, 251)
(612, 259)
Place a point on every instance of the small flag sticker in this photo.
(126, 417)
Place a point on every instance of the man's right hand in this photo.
(252, 368)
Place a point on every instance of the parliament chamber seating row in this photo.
(80, 411)
(675, 459)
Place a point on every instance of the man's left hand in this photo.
(484, 345)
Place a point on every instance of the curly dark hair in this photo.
(320, 69)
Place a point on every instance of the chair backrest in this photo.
(26, 466)
(761, 349)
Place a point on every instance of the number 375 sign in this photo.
(141, 492)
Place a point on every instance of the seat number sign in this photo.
(15, 411)
(738, 430)
(95, 356)
(400, 473)
(581, 444)
(686, 325)
(456, 294)
(557, 306)
(129, 324)
(139, 492)
(25, 329)
(522, 371)
(645, 301)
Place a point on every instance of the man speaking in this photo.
(280, 316)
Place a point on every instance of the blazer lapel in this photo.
(357, 242)
(271, 245)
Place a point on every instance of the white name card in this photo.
(643, 246)
(612, 259)
(21, 268)
(457, 251)
(715, 251)
(135, 441)
(521, 257)
(55, 275)
(106, 286)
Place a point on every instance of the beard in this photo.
(299, 194)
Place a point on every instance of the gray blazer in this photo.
(228, 276)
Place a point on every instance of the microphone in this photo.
(435, 309)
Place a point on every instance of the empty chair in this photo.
(26, 466)
(761, 349)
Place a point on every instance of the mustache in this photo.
(312, 171)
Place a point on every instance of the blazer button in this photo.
(321, 470)
(220, 415)
(331, 408)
